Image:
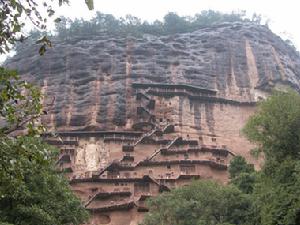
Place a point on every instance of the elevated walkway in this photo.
(92, 133)
(190, 91)
(164, 86)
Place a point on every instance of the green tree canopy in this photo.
(201, 203)
(239, 165)
(275, 128)
(276, 195)
(31, 190)
(242, 174)
(131, 25)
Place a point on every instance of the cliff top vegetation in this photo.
(130, 25)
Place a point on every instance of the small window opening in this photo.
(186, 156)
(94, 189)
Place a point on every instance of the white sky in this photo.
(284, 15)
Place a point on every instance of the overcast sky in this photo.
(284, 15)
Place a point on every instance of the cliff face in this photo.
(88, 75)
(142, 115)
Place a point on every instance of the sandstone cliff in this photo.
(138, 116)
(91, 79)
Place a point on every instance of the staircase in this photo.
(165, 147)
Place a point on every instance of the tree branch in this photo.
(20, 125)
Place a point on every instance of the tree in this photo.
(12, 14)
(276, 197)
(239, 165)
(242, 174)
(175, 24)
(131, 25)
(275, 129)
(19, 104)
(31, 190)
(201, 203)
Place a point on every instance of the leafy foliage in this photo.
(31, 190)
(276, 198)
(201, 203)
(242, 174)
(20, 104)
(18, 157)
(131, 25)
(13, 13)
(275, 129)
(239, 165)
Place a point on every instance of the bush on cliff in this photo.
(131, 25)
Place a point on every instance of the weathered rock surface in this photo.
(91, 78)
(139, 116)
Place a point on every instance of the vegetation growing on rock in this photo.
(131, 25)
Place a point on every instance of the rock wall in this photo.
(86, 74)
(138, 116)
